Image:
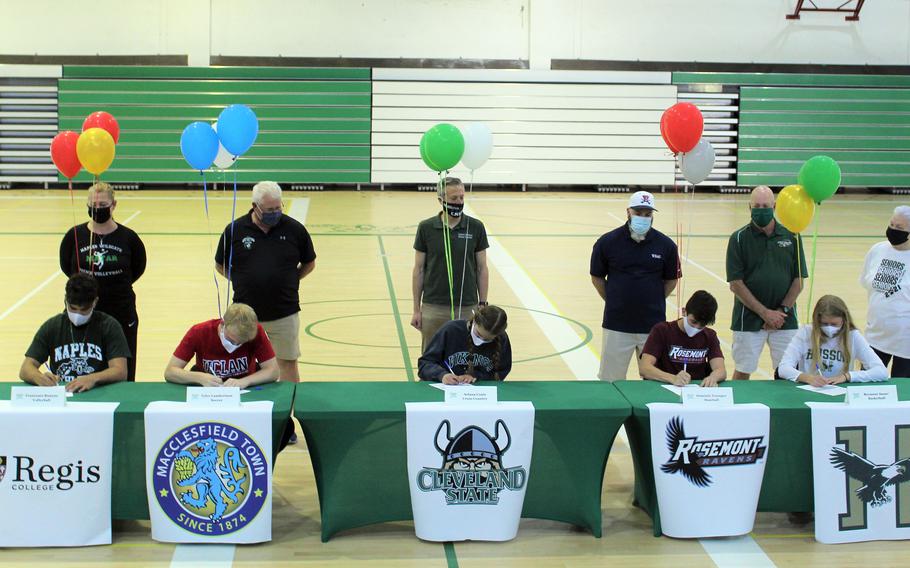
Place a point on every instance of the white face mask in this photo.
(79, 319)
(831, 330)
(226, 343)
(691, 330)
(478, 341)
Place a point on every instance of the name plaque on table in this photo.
(470, 394)
(47, 397)
(213, 396)
(871, 395)
(698, 396)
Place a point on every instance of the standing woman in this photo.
(886, 277)
(114, 255)
(464, 351)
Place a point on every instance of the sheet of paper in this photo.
(674, 389)
(830, 390)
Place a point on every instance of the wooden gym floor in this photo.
(356, 309)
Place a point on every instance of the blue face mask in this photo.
(270, 218)
(639, 225)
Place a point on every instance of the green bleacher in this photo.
(314, 124)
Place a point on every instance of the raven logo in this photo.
(683, 460)
(2, 467)
(689, 456)
(876, 478)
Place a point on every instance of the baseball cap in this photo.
(642, 199)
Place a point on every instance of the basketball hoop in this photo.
(850, 7)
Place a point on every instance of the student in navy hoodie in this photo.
(464, 351)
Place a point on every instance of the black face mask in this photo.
(896, 237)
(99, 214)
(453, 209)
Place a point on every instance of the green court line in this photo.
(500, 235)
(393, 299)
(451, 559)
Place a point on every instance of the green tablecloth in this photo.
(787, 485)
(128, 495)
(357, 439)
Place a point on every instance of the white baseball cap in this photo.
(642, 199)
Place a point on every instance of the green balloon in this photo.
(820, 175)
(441, 147)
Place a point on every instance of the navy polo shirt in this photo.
(635, 274)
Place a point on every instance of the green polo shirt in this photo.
(767, 266)
(467, 237)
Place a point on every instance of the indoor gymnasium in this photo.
(455, 283)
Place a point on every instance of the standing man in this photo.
(434, 299)
(634, 268)
(265, 254)
(764, 264)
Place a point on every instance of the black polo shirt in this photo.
(635, 273)
(263, 266)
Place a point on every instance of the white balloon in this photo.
(224, 159)
(478, 145)
(696, 164)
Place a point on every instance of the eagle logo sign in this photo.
(689, 456)
(875, 478)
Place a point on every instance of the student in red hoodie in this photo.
(231, 352)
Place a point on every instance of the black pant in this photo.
(129, 321)
(899, 369)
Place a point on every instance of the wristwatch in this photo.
(483, 303)
(786, 309)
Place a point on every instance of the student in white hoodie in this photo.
(825, 351)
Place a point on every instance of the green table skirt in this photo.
(128, 495)
(787, 484)
(357, 439)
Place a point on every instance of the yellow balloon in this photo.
(95, 149)
(795, 208)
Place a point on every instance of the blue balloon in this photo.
(199, 145)
(237, 128)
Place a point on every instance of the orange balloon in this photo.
(95, 149)
(795, 209)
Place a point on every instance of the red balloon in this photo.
(103, 120)
(682, 126)
(63, 152)
(663, 134)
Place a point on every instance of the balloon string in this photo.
(447, 244)
(464, 262)
(75, 233)
(679, 239)
(811, 267)
(230, 256)
(208, 222)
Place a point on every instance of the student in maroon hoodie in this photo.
(685, 350)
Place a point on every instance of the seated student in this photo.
(463, 351)
(82, 347)
(685, 350)
(823, 352)
(227, 352)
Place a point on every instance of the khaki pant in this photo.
(616, 352)
(433, 316)
(284, 334)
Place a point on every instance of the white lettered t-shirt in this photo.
(886, 278)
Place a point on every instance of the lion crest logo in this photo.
(211, 478)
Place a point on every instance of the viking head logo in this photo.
(472, 448)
